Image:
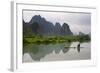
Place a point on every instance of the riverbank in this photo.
(54, 39)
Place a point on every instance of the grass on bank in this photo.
(54, 39)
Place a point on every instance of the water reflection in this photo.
(38, 52)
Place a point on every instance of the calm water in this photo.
(54, 52)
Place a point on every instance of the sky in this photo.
(78, 22)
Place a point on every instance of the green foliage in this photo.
(39, 39)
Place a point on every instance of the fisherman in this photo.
(78, 47)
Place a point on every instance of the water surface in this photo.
(56, 52)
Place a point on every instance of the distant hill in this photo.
(39, 25)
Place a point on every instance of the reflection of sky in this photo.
(78, 22)
(54, 52)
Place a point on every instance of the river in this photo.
(56, 52)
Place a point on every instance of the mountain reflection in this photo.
(58, 51)
(37, 52)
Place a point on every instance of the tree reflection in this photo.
(66, 47)
(39, 51)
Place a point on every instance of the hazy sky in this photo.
(78, 22)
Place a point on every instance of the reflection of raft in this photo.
(78, 46)
(72, 47)
(69, 47)
(66, 48)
